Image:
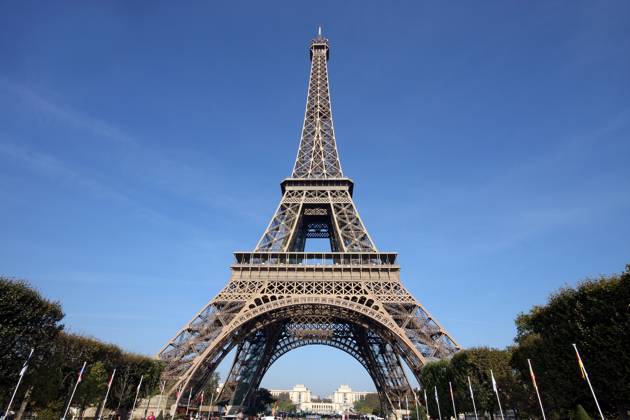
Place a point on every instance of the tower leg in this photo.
(250, 361)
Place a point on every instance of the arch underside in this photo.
(262, 341)
(378, 336)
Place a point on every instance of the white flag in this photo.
(494, 383)
(25, 366)
(80, 377)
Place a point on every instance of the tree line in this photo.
(30, 321)
(595, 316)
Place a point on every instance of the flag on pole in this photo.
(136, 399)
(81, 374)
(585, 376)
(188, 402)
(531, 373)
(159, 404)
(22, 372)
(496, 391)
(109, 385)
(494, 383)
(73, 391)
(581, 365)
(450, 387)
(25, 365)
(437, 402)
(426, 402)
(472, 397)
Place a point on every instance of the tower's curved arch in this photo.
(262, 331)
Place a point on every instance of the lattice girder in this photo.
(317, 155)
(288, 227)
(256, 315)
(307, 325)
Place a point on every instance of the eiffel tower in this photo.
(280, 297)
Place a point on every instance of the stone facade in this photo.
(341, 400)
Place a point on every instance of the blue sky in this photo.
(142, 143)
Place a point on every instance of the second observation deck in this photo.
(316, 258)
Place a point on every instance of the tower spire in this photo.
(317, 156)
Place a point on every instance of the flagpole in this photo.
(426, 401)
(531, 373)
(472, 397)
(588, 380)
(496, 391)
(211, 409)
(450, 387)
(22, 373)
(201, 407)
(415, 398)
(188, 403)
(162, 386)
(73, 391)
(437, 402)
(109, 385)
(136, 399)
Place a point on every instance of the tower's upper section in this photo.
(319, 43)
(317, 156)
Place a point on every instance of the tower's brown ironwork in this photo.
(280, 297)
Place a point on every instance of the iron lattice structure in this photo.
(280, 297)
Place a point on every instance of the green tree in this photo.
(262, 402)
(370, 404)
(580, 414)
(596, 316)
(475, 363)
(93, 386)
(28, 321)
(284, 403)
(210, 389)
(435, 376)
(417, 413)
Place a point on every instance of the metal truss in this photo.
(280, 298)
(259, 352)
(317, 156)
(331, 210)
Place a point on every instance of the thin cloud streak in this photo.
(175, 177)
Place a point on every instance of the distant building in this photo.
(342, 399)
(345, 396)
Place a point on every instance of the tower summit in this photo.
(317, 155)
(280, 297)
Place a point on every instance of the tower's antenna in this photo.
(319, 30)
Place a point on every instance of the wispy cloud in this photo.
(529, 198)
(113, 316)
(53, 168)
(148, 165)
(50, 109)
